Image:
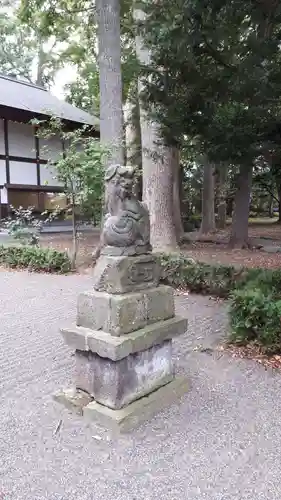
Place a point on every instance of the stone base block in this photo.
(115, 384)
(134, 414)
(124, 313)
(129, 251)
(126, 274)
(116, 348)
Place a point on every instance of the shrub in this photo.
(25, 227)
(256, 316)
(255, 296)
(182, 272)
(35, 259)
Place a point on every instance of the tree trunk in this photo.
(157, 167)
(278, 186)
(270, 206)
(158, 178)
(177, 195)
(133, 138)
(74, 234)
(133, 130)
(111, 116)
(208, 223)
(229, 206)
(222, 188)
(239, 237)
(40, 63)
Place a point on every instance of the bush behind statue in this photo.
(255, 311)
(254, 296)
(182, 272)
(35, 258)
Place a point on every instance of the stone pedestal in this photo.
(123, 339)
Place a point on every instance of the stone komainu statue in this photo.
(126, 229)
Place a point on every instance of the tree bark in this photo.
(40, 64)
(133, 130)
(133, 136)
(208, 223)
(109, 57)
(270, 206)
(222, 188)
(157, 167)
(177, 195)
(278, 186)
(239, 237)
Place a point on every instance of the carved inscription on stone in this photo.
(142, 272)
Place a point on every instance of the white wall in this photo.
(23, 173)
(2, 172)
(50, 149)
(22, 143)
(47, 176)
(21, 140)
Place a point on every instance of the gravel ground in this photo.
(221, 442)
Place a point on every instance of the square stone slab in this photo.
(115, 348)
(124, 313)
(130, 417)
(126, 274)
(117, 383)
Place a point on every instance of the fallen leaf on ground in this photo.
(254, 352)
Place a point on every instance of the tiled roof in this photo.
(22, 95)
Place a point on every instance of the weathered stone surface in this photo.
(117, 383)
(160, 303)
(127, 251)
(73, 399)
(130, 417)
(93, 310)
(116, 348)
(123, 313)
(76, 337)
(126, 274)
(125, 324)
(126, 228)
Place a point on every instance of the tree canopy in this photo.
(216, 74)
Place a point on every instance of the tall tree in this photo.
(208, 198)
(28, 49)
(111, 115)
(157, 165)
(133, 130)
(239, 228)
(17, 50)
(177, 194)
(221, 64)
(222, 171)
